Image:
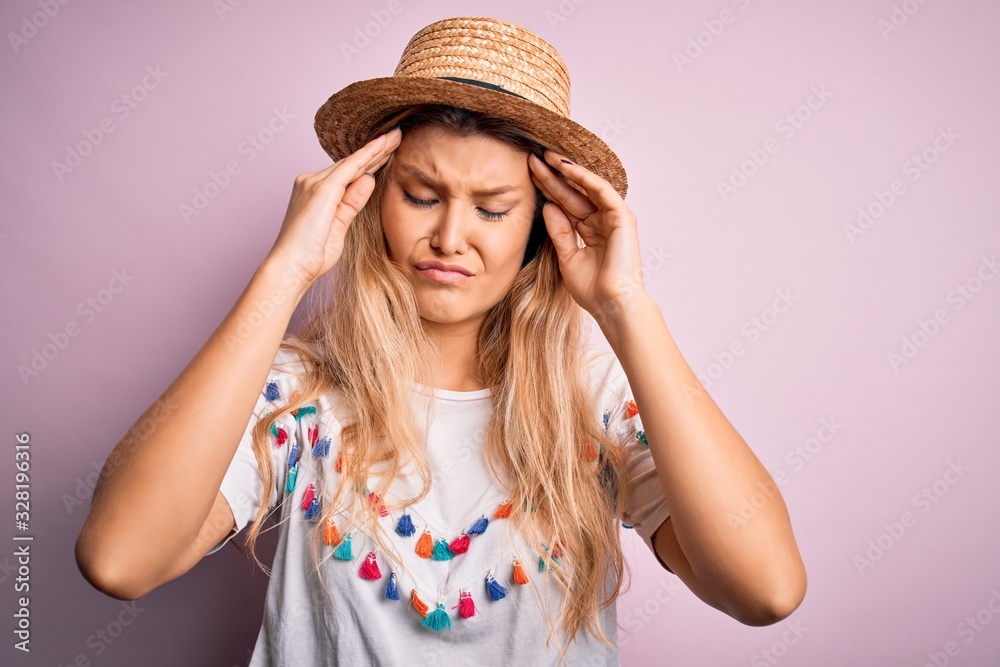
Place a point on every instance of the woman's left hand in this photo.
(606, 273)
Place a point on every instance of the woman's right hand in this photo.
(323, 205)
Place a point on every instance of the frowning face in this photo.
(465, 202)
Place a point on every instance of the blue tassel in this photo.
(272, 394)
(292, 476)
(641, 437)
(391, 592)
(437, 619)
(494, 588)
(441, 550)
(313, 508)
(305, 410)
(322, 447)
(293, 455)
(607, 420)
(479, 527)
(343, 552)
(405, 526)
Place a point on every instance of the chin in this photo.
(442, 307)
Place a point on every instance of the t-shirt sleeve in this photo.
(647, 508)
(242, 485)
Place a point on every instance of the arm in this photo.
(148, 519)
(750, 569)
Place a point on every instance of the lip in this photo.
(441, 276)
(441, 266)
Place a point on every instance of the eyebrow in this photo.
(489, 192)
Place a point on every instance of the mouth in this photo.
(442, 276)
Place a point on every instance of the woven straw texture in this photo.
(483, 49)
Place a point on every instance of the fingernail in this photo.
(371, 174)
(566, 161)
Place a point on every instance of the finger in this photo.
(574, 202)
(365, 158)
(560, 230)
(355, 197)
(597, 189)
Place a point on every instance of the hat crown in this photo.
(492, 52)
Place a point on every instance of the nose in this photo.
(451, 229)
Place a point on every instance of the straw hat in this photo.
(481, 64)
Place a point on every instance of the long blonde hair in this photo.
(569, 483)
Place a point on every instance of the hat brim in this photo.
(343, 122)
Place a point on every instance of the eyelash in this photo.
(426, 203)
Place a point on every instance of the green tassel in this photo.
(292, 475)
(441, 551)
(437, 619)
(343, 552)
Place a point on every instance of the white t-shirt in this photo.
(365, 626)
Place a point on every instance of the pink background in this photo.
(715, 263)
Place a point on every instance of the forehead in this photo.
(467, 162)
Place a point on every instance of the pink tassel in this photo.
(308, 497)
(369, 569)
(313, 435)
(466, 607)
(460, 544)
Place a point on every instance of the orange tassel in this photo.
(340, 462)
(631, 409)
(330, 534)
(520, 576)
(503, 511)
(418, 604)
(425, 545)
(591, 452)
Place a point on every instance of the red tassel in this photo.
(520, 576)
(369, 569)
(308, 497)
(460, 544)
(557, 550)
(425, 545)
(466, 607)
(340, 462)
(331, 535)
(282, 437)
(503, 511)
(373, 500)
(631, 409)
(418, 604)
(313, 436)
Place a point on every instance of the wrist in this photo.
(620, 318)
(285, 276)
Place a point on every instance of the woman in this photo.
(441, 437)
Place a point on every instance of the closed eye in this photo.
(427, 203)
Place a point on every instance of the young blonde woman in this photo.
(448, 459)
